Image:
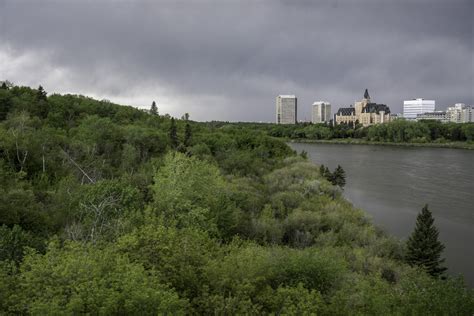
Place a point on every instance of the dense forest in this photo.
(107, 209)
(398, 131)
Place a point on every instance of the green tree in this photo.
(189, 191)
(77, 279)
(339, 177)
(187, 135)
(154, 108)
(41, 94)
(42, 107)
(173, 134)
(321, 170)
(423, 247)
(324, 172)
(5, 103)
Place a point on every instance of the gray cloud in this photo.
(228, 60)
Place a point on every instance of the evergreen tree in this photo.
(187, 135)
(41, 94)
(173, 134)
(327, 174)
(339, 177)
(154, 108)
(423, 247)
(5, 103)
(4, 86)
(322, 170)
(42, 107)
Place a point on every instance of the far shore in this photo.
(355, 141)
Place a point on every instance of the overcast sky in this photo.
(228, 60)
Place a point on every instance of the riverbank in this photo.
(393, 183)
(354, 141)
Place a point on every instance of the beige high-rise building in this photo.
(321, 112)
(286, 109)
(364, 112)
(459, 113)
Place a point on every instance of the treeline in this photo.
(107, 209)
(398, 131)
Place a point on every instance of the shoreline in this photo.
(355, 141)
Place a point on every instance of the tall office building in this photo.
(411, 108)
(286, 109)
(460, 113)
(321, 112)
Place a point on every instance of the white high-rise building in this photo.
(417, 106)
(459, 113)
(321, 112)
(286, 109)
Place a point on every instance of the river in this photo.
(393, 183)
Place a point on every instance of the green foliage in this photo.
(83, 279)
(187, 135)
(259, 275)
(178, 256)
(13, 242)
(339, 177)
(5, 103)
(153, 109)
(190, 192)
(173, 134)
(231, 221)
(397, 131)
(423, 247)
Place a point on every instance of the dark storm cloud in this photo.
(229, 59)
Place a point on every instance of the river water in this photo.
(393, 183)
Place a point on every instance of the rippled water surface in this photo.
(393, 183)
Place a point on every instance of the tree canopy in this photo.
(108, 209)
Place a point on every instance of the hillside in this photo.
(107, 209)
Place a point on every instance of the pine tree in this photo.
(5, 103)
(423, 247)
(4, 86)
(173, 134)
(327, 174)
(41, 94)
(42, 107)
(321, 170)
(154, 108)
(187, 135)
(339, 177)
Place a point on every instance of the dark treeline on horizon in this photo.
(107, 209)
(397, 131)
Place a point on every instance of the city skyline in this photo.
(189, 58)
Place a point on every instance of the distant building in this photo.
(364, 112)
(411, 108)
(395, 116)
(436, 116)
(321, 112)
(286, 109)
(345, 116)
(460, 113)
